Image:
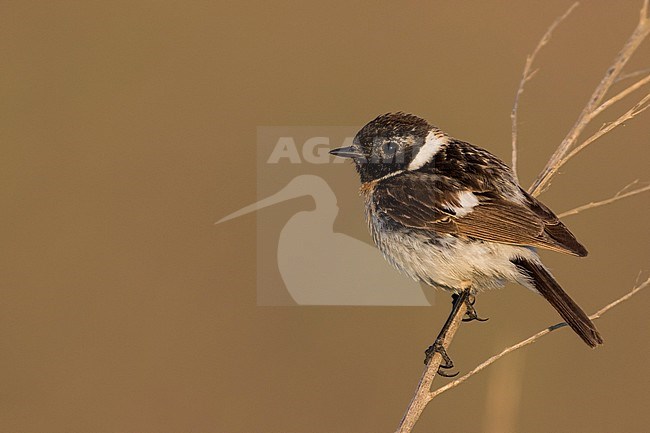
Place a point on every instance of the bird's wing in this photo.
(440, 204)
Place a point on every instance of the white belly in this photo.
(449, 262)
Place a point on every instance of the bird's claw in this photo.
(444, 374)
(471, 313)
(446, 362)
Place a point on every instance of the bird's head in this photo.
(391, 143)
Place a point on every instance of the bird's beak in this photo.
(347, 152)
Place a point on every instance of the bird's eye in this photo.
(389, 147)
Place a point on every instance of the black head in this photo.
(385, 145)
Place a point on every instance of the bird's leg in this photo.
(471, 311)
(437, 346)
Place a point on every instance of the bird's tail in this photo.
(546, 285)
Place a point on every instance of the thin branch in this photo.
(532, 339)
(632, 74)
(638, 108)
(613, 72)
(527, 75)
(423, 391)
(619, 195)
(620, 96)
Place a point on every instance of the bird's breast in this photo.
(438, 259)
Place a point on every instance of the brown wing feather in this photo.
(507, 223)
(554, 227)
(420, 203)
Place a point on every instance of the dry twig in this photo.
(640, 106)
(632, 74)
(590, 111)
(621, 95)
(424, 394)
(618, 196)
(532, 339)
(423, 391)
(527, 75)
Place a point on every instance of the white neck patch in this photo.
(432, 145)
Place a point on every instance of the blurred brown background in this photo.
(128, 128)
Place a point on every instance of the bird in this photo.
(308, 249)
(452, 215)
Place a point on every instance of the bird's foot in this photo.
(471, 313)
(446, 363)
